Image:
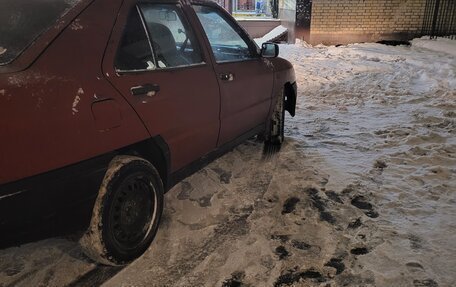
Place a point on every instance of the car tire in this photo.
(127, 212)
(277, 124)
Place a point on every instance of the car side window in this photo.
(157, 36)
(173, 41)
(226, 43)
(134, 52)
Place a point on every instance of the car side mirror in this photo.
(269, 50)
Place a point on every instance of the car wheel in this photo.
(276, 134)
(127, 212)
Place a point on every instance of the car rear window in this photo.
(22, 21)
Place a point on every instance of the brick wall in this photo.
(348, 21)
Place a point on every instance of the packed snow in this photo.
(383, 119)
(439, 44)
(272, 35)
(362, 192)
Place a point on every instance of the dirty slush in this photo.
(362, 192)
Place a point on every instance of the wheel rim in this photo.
(133, 212)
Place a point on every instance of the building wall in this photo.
(348, 21)
(287, 15)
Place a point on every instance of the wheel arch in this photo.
(156, 151)
(290, 91)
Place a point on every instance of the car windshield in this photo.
(22, 21)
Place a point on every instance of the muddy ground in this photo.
(362, 193)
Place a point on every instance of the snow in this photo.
(440, 44)
(364, 104)
(76, 101)
(362, 193)
(374, 128)
(272, 35)
(76, 25)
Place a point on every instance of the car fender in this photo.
(284, 79)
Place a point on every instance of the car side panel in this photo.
(60, 124)
(52, 203)
(185, 112)
(49, 113)
(246, 97)
(283, 75)
(246, 100)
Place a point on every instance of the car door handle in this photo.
(227, 77)
(146, 89)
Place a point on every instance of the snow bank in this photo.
(439, 44)
(272, 35)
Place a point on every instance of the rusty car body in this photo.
(69, 107)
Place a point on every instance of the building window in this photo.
(245, 8)
(245, 5)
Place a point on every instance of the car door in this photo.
(157, 63)
(245, 79)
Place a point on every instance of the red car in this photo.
(106, 104)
